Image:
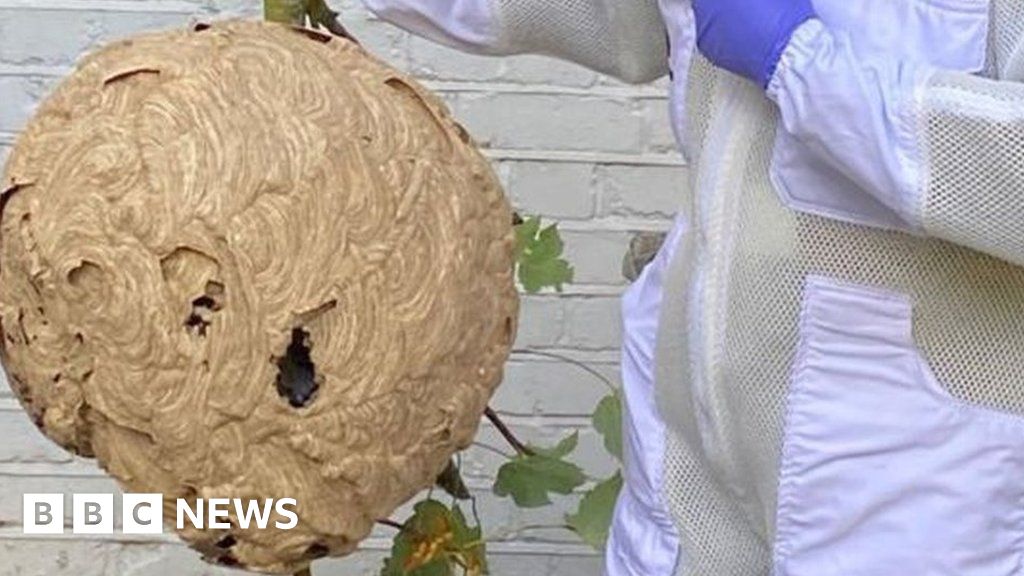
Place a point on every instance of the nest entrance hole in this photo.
(297, 380)
(203, 307)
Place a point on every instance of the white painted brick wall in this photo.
(568, 144)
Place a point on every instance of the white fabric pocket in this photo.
(642, 540)
(947, 34)
(883, 472)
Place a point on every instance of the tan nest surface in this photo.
(250, 262)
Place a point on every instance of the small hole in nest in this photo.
(199, 320)
(508, 330)
(314, 34)
(129, 74)
(463, 133)
(226, 542)
(317, 550)
(399, 85)
(86, 274)
(203, 308)
(296, 377)
(200, 26)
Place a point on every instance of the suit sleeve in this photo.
(469, 25)
(626, 40)
(943, 149)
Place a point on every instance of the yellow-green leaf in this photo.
(421, 547)
(436, 541)
(285, 11)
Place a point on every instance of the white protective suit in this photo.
(824, 365)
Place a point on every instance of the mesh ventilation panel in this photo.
(722, 488)
(974, 192)
(699, 103)
(624, 39)
(1007, 39)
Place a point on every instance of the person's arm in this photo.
(945, 150)
(622, 38)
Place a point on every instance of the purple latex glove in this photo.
(748, 36)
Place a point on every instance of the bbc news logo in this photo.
(144, 513)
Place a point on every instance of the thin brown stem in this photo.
(520, 448)
(601, 377)
(389, 523)
(493, 450)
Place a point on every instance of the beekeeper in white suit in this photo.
(824, 365)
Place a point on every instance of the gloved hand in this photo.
(748, 36)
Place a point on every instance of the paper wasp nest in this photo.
(250, 262)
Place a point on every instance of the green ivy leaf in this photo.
(401, 549)
(562, 449)
(538, 253)
(594, 516)
(530, 479)
(607, 421)
(320, 14)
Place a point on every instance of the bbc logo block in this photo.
(144, 513)
(43, 514)
(92, 514)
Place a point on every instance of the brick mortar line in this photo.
(593, 357)
(518, 548)
(136, 6)
(615, 225)
(541, 156)
(623, 92)
(611, 290)
(604, 359)
(444, 86)
(479, 484)
(552, 421)
(585, 156)
(69, 473)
